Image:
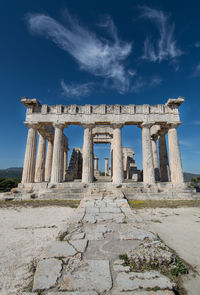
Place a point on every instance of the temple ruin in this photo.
(102, 124)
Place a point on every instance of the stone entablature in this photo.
(103, 114)
(102, 123)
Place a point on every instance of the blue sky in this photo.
(92, 52)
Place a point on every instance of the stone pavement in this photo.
(85, 258)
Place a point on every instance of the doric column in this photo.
(148, 167)
(111, 157)
(48, 165)
(30, 155)
(175, 155)
(118, 172)
(58, 155)
(106, 167)
(163, 156)
(65, 163)
(96, 163)
(88, 168)
(155, 158)
(40, 162)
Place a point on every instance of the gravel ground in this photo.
(24, 232)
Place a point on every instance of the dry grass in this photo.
(138, 204)
(40, 203)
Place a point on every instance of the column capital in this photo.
(146, 125)
(31, 125)
(59, 125)
(174, 125)
(117, 125)
(90, 126)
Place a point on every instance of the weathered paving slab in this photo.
(73, 293)
(88, 275)
(134, 280)
(79, 245)
(163, 292)
(88, 256)
(59, 249)
(47, 273)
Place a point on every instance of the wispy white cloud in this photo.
(186, 143)
(196, 70)
(165, 47)
(197, 44)
(140, 84)
(101, 57)
(196, 122)
(76, 90)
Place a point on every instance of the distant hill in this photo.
(17, 172)
(189, 176)
(11, 172)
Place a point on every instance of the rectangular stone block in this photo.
(89, 275)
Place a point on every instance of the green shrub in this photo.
(7, 184)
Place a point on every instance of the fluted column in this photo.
(163, 156)
(58, 155)
(48, 165)
(96, 163)
(65, 163)
(30, 155)
(111, 157)
(88, 168)
(118, 172)
(155, 158)
(175, 155)
(106, 167)
(148, 167)
(40, 162)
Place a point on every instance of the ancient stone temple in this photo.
(102, 124)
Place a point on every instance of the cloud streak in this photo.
(165, 47)
(76, 91)
(100, 57)
(140, 84)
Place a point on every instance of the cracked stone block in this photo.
(135, 234)
(98, 228)
(73, 293)
(59, 249)
(106, 216)
(119, 268)
(47, 273)
(78, 236)
(163, 292)
(94, 236)
(134, 280)
(122, 203)
(110, 210)
(120, 219)
(79, 245)
(90, 218)
(89, 275)
(92, 210)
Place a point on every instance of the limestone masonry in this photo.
(102, 124)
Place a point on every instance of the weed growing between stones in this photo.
(157, 256)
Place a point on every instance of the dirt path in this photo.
(24, 232)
